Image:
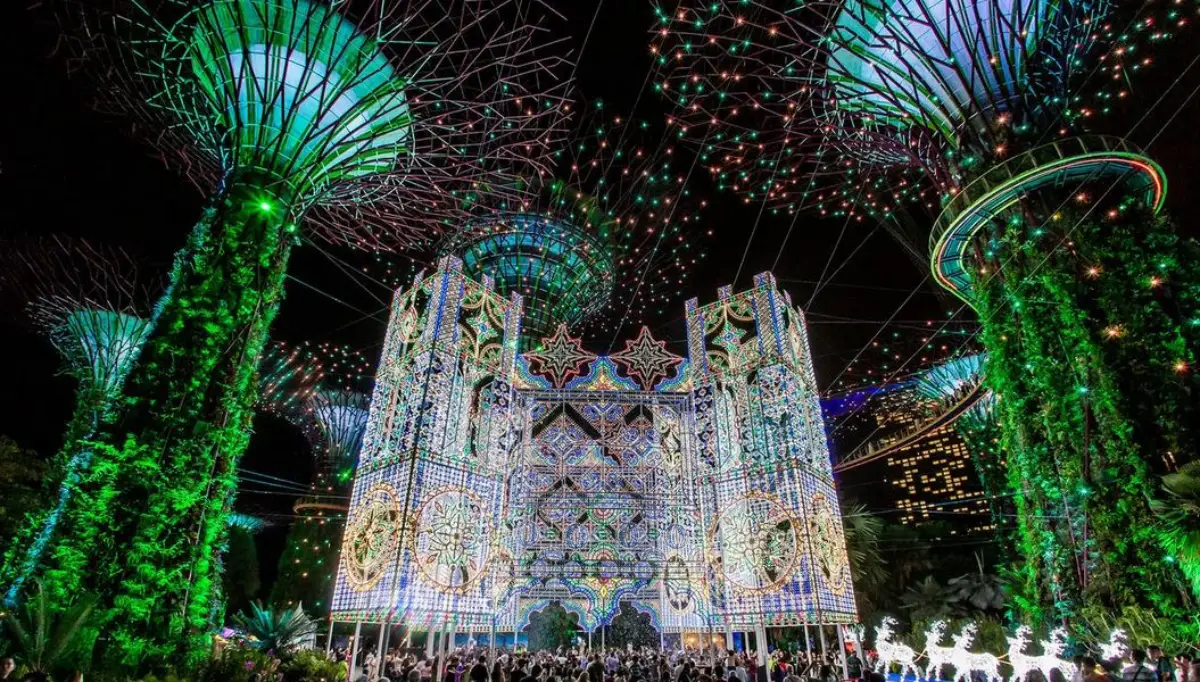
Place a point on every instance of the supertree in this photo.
(337, 411)
(358, 121)
(974, 112)
(287, 378)
(610, 228)
(93, 304)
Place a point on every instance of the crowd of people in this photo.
(478, 664)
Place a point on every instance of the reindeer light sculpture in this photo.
(893, 652)
(937, 654)
(1023, 663)
(966, 661)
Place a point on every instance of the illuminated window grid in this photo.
(932, 474)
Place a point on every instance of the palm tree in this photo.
(44, 639)
(278, 631)
(863, 530)
(926, 600)
(1179, 520)
(980, 591)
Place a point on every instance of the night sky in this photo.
(67, 170)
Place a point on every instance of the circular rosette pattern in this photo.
(451, 539)
(372, 537)
(829, 548)
(756, 544)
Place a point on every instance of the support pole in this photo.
(329, 639)
(712, 644)
(354, 650)
(491, 646)
(602, 645)
(842, 644)
(760, 643)
(379, 651)
(824, 648)
(429, 641)
(807, 643)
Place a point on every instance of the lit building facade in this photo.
(492, 483)
(932, 477)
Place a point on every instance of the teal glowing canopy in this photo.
(299, 93)
(564, 271)
(939, 64)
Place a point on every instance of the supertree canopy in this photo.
(93, 303)
(972, 113)
(357, 121)
(862, 108)
(287, 378)
(606, 230)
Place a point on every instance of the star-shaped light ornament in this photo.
(647, 359)
(561, 358)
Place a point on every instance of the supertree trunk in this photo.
(27, 548)
(309, 563)
(168, 458)
(1091, 350)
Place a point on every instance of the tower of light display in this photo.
(605, 230)
(493, 483)
(356, 122)
(869, 110)
(92, 304)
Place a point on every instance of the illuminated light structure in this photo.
(605, 230)
(492, 483)
(358, 122)
(247, 522)
(335, 420)
(93, 304)
(965, 110)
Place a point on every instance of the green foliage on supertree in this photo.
(1091, 349)
(91, 302)
(150, 512)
